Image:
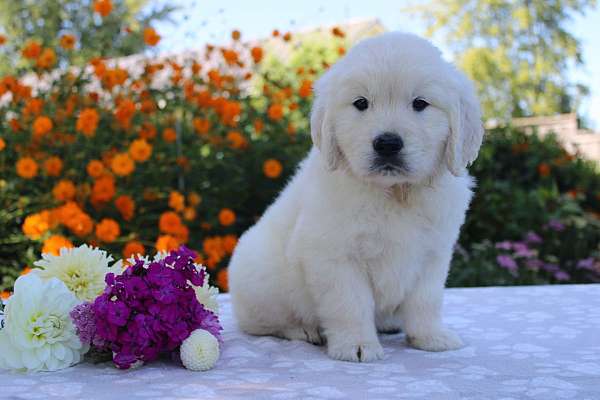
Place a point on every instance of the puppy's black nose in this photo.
(388, 144)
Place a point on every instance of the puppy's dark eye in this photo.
(419, 104)
(361, 104)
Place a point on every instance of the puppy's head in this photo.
(393, 111)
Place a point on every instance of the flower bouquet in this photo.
(76, 302)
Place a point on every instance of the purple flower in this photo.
(506, 262)
(562, 276)
(533, 238)
(556, 225)
(522, 250)
(550, 267)
(151, 308)
(534, 264)
(586, 263)
(118, 313)
(85, 323)
(506, 245)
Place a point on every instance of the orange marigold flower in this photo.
(103, 189)
(223, 280)
(189, 214)
(4, 295)
(230, 113)
(213, 247)
(53, 166)
(230, 56)
(166, 243)
(201, 126)
(103, 7)
(108, 230)
(169, 135)
(35, 225)
(64, 190)
(124, 112)
(169, 222)
(80, 223)
(33, 107)
(305, 88)
(2, 144)
(237, 140)
(544, 169)
(133, 248)
(182, 234)
(67, 41)
(226, 217)
(275, 112)
(32, 49)
(338, 32)
(87, 122)
(236, 35)
(126, 206)
(47, 59)
(229, 243)
(2, 40)
(275, 33)
(27, 168)
(151, 38)
(95, 168)
(272, 168)
(25, 270)
(122, 164)
(42, 125)
(147, 131)
(176, 201)
(140, 150)
(257, 54)
(194, 199)
(54, 243)
(287, 37)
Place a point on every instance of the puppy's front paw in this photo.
(442, 340)
(361, 352)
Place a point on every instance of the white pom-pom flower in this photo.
(200, 351)
(82, 269)
(38, 333)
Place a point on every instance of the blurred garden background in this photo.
(140, 125)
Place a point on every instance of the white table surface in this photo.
(523, 343)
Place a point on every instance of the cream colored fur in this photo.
(345, 252)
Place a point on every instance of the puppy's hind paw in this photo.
(442, 340)
(364, 352)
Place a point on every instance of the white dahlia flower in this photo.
(38, 333)
(207, 294)
(200, 351)
(81, 268)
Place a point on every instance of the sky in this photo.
(210, 21)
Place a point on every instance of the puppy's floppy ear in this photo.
(321, 130)
(466, 129)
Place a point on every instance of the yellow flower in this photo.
(82, 269)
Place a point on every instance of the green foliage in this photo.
(117, 34)
(527, 185)
(517, 52)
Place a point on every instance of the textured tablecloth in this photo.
(523, 343)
